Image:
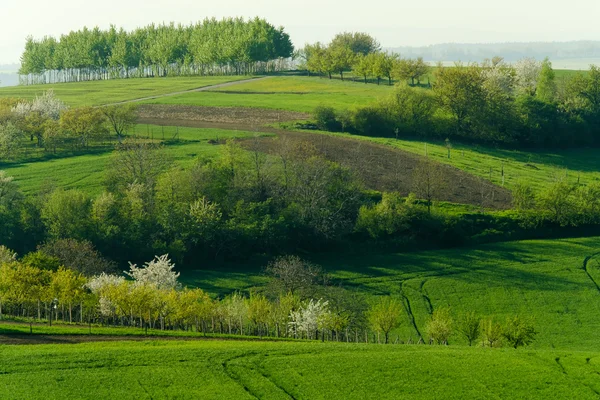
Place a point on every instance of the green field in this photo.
(117, 90)
(543, 279)
(240, 370)
(285, 93)
(86, 171)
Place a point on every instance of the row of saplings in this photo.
(517, 331)
(152, 298)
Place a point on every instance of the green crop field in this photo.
(285, 93)
(86, 171)
(240, 370)
(113, 91)
(543, 279)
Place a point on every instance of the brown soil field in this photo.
(380, 167)
(246, 116)
(386, 169)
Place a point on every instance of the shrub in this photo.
(518, 331)
(469, 325)
(439, 327)
(371, 121)
(326, 119)
(492, 333)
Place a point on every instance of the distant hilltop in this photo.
(477, 52)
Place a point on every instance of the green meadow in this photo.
(247, 370)
(301, 94)
(543, 279)
(86, 171)
(77, 94)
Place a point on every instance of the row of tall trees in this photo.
(228, 46)
(153, 298)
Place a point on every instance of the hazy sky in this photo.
(393, 22)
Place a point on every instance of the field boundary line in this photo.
(201, 89)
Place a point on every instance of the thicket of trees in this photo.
(517, 105)
(298, 303)
(55, 128)
(360, 53)
(210, 47)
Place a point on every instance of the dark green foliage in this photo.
(80, 256)
(326, 119)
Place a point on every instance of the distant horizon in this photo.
(394, 24)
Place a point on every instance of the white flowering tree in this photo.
(34, 115)
(308, 318)
(158, 273)
(528, 70)
(102, 286)
(47, 105)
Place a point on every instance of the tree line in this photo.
(50, 126)
(210, 47)
(360, 53)
(520, 105)
(297, 303)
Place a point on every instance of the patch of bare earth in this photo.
(165, 114)
(387, 169)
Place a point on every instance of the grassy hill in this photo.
(296, 93)
(86, 171)
(113, 91)
(536, 168)
(240, 370)
(543, 279)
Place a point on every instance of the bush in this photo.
(518, 331)
(326, 119)
(439, 327)
(372, 121)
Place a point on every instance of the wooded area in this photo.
(211, 47)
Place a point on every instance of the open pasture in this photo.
(294, 93)
(247, 370)
(96, 93)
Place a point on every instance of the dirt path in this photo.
(19, 339)
(202, 89)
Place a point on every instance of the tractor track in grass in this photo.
(200, 89)
(251, 358)
(586, 262)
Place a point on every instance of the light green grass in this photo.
(86, 172)
(247, 370)
(301, 94)
(113, 91)
(541, 279)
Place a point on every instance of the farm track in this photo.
(32, 339)
(586, 262)
(201, 89)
